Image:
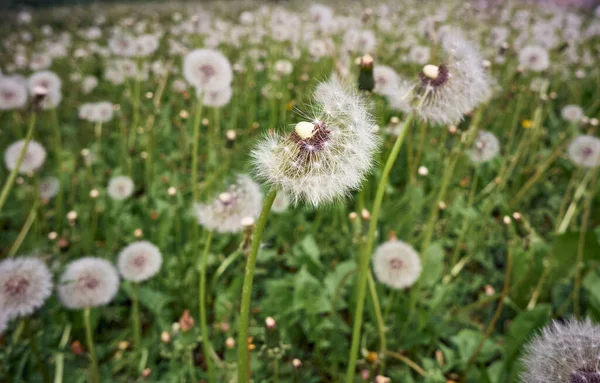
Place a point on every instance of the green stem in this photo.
(195, 146)
(276, 370)
(23, 233)
(242, 365)
(36, 351)
(380, 322)
(573, 206)
(13, 173)
(202, 295)
(95, 375)
(135, 316)
(365, 254)
(58, 150)
(60, 355)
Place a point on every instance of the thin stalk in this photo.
(59, 357)
(24, 230)
(573, 206)
(195, 146)
(242, 364)
(135, 316)
(408, 362)
(581, 246)
(95, 374)
(276, 370)
(13, 173)
(380, 322)
(202, 303)
(365, 254)
(36, 351)
(58, 150)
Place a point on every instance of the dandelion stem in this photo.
(23, 233)
(13, 173)
(242, 365)
(365, 254)
(94, 374)
(195, 146)
(202, 303)
(60, 355)
(408, 362)
(581, 246)
(564, 224)
(380, 322)
(58, 149)
(135, 316)
(36, 351)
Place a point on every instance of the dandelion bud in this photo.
(364, 374)
(431, 71)
(94, 193)
(52, 235)
(172, 191)
(353, 216)
(271, 333)
(366, 79)
(594, 121)
(452, 129)
(165, 337)
(183, 114)
(149, 95)
(394, 120)
(72, 215)
(423, 171)
(230, 343)
(224, 326)
(186, 322)
(76, 348)
(123, 345)
(365, 214)
(506, 220)
(296, 363)
(270, 323)
(146, 372)
(138, 233)
(517, 216)
(382, 379)
(489, 290)
(442, 205)
(247, 222)
(175, 327)
(205, 122)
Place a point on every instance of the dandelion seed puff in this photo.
(564, 352)
(419, 55)
(139, 261)
(445, 92)
(207, 69)
(25, 284)
(281, 203)
(318, 49)
(534, 58)
(34, 158)
(88, 282)
(40, 61)
(146, 45)
(52, 99)
(122, 45)
(585, 151)
(485, 147)
(101, 112)
(572, 113)
(215, 98)
(3, 321)
(283, 67)
(396, 264)
(225, 214)
(120, 188)
(44, 79)
(325, 157)
(386, 79)
(49, 187)
(13, 93)
(88, 84)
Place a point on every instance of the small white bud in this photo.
(94, 193)
(423, 171)
(304, 129)
(72, 215)
(172, 191)
(431, 71)
(225, 197)
(247, 221)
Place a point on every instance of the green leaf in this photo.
(522, 328)
(434, 266)
(311, 249)
(308, 293)
(467, 341)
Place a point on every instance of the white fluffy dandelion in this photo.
(585, 151)
(215, 98)
(101, 112)
(207, 69)
(572, 113)
(34, 158)
(122, 45)
(25, 284)
(281, 203)
(445, 92)
(325, 158)
(44, 79)
(13, 93)
(485, 147)
(120, 188)
(88, 282)
(242, 199)
(534, 58)
(386, 80)
(3, 322)
(139, 261)
(49, 187)
(564, 353)
(396, 264)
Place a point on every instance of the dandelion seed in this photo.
(88, 282)
(326, 158)
(585, 151)
(485, 147)
(120, 188)
(396, 264)
(49, 187)
(139, 261)
(25, 284)
(572, 113)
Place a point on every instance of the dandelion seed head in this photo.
(225, 214)
(485, 147)
(120, 188)
(585, 151)
(34, 158)
(25, 284)
(564, 353)
(13, 93)
(139, 261)
(49, 187)
(534, 58)
(44, 79)
(572, 113)
(88, 282)
(207, 69)
(396, 264)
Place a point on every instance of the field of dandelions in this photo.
(296, 192)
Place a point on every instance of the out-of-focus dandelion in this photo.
(120, 188)
(139, 261)
(88, 282)
(585, 151)
(25, 284)
(485, 147)
(572, 113)
(34, 158)
(396, 264)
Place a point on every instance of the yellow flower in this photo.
(527, 124)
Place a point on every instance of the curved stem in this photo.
(36, 351)
(23, 233)
(242, 364)
(95, 375)
(365, 255)
(13, 173)
(408, 362)
(202, 304)
(380, 322)
(195, 146)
